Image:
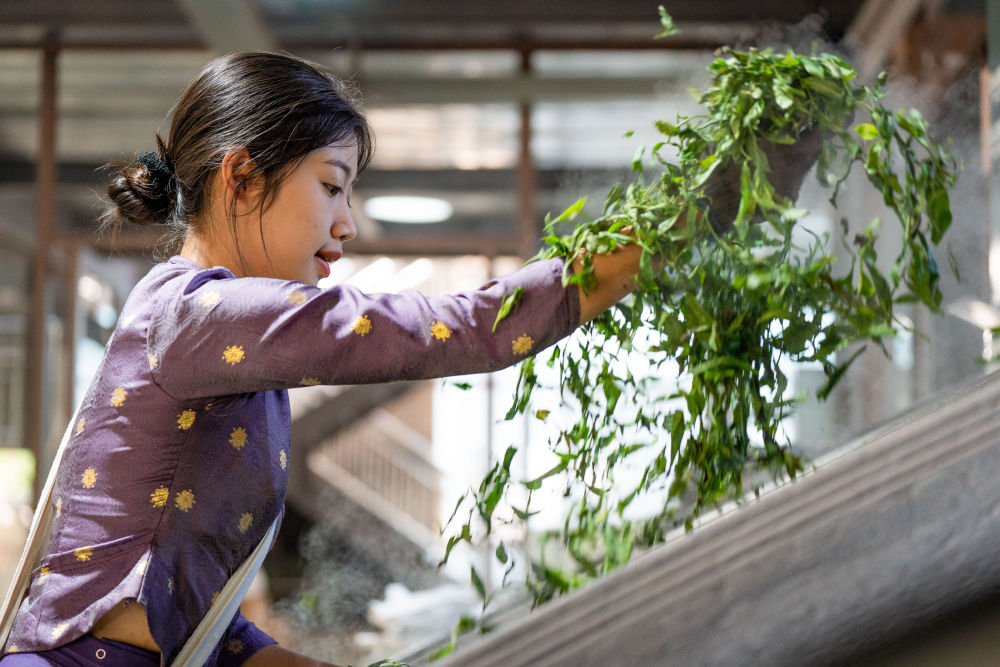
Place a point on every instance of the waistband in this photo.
(86, 651)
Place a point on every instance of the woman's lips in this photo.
(322, 266)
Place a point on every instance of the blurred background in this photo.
(488, 115)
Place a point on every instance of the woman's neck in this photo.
(207, 251)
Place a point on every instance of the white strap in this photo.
(37, 537)
(207, 635)
(202, 642)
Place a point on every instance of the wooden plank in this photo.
(899, 528)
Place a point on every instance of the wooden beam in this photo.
(34, 435)
(228, 26)
(876, 28)
(145, 240)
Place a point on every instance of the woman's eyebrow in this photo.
(343, 165)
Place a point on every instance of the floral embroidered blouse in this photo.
(177, 463)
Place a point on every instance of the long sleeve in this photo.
(224, 335)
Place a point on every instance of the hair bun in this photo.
(143, 191)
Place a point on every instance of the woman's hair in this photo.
(277, 107)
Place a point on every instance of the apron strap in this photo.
(37, 537)
(199, 646)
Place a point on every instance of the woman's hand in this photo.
(614, 278)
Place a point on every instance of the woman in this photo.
(176, 465)
(177, 462)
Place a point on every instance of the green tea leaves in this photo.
(667, 22)
(508, 304)
(866, 131)
(718, 315)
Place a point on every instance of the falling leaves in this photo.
(727, 311)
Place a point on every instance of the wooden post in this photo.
(71, 250)
(45, 176)
(991, 137)
(527, 228)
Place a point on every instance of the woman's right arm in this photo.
(225, 335)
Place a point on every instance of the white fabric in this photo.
(37, 537)
(207, 635)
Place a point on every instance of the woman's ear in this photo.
(234, 172)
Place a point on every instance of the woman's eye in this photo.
(334, 190)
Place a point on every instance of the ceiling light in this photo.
(89, 289)
(408, 210)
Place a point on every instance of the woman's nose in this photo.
(344, 229)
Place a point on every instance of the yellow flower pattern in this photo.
(118, 397)
(296, 297)
(235, 646)
(523, 344)
(233, 354)
(83, 554)
(184, 500)
(153, 361)
(89, 478)
(440, 331)
(310, 382)
(215, 596)
(80, 424)
(362, 325)
(59, 629)
(12, 649)
(159, 496)
(44, 572)
(283, 459)
(209, 299)
(185, 420)
(246, 521)
(238, 438)
(142, 565)
(58, 506)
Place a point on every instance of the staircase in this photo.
(354, 464)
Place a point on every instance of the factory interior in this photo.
(488, 117)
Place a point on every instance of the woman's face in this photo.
(304, 227)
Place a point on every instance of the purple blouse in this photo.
(177, 462)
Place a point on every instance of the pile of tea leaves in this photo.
(716, 317)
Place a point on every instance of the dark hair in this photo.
(278, 107)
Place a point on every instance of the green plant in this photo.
(718, 313)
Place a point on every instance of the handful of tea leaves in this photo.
(714, 314)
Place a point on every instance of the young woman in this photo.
(177, 463)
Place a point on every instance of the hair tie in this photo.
(157, 167)
(162, 186)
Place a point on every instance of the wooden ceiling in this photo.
(399, 24)
(446, 84)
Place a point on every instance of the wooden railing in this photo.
(380, 463)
